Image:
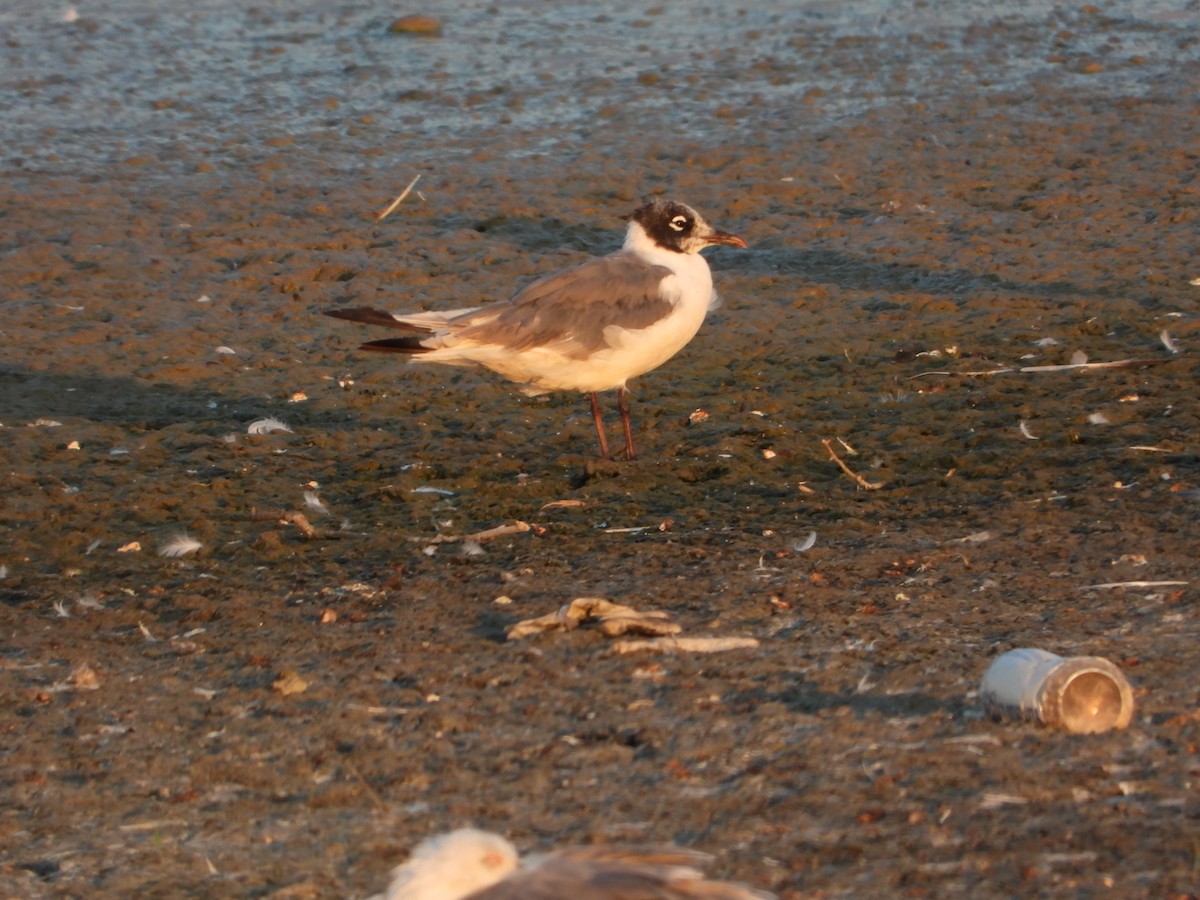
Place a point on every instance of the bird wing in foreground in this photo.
(606, 873)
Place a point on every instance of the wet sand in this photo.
(930, 197)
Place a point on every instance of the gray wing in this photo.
(616, 874)
(573, 307)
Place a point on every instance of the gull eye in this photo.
(679, 223)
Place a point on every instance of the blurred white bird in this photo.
(479, 865)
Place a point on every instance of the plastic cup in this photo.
(1080, 694)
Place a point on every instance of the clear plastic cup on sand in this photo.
(1080, 694)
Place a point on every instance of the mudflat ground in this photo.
(935, 197)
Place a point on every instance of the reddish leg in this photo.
(623, 405)
(599, 424)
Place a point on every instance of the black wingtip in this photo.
(366, 315)
(396, 345)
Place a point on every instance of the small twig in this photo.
(516, 527)
(380, 710)
(686, 644)
(858, 479)
(977, 374)
(1115, 364)
(1132, 584)
(371, 792)
(1066, 367)
(387, 212)
(153, 825)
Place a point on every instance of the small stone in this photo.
(289, 682)
(419, 25)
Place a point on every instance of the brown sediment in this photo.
(962, 197)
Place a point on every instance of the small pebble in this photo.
(421, 26)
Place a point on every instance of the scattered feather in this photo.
(204, 298)
(228, 351)
(1098, 418)
(1045, 342)
(977, 537)
(1079, 358)
(426, 489)
(806, 544)
(313, 502)
(45, 423)
(60, 609)
(180, 545)
(92, 547)
(1168, 342)
(89, 601)
(1026, 433)
(266, 426)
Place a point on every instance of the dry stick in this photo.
(1067, 367)
(517, 527)
(1115, 364)
(1133, 584)
(686, 644)
(371, 792)
(858, 479)
(387, 212)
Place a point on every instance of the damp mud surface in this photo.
(945, 204)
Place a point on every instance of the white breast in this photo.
(635, 351)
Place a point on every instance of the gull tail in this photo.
(423, 325)
(368, 316)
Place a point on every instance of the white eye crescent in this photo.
(678, 223)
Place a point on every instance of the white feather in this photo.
(807, 544)
(266, 426)
(180, 545)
